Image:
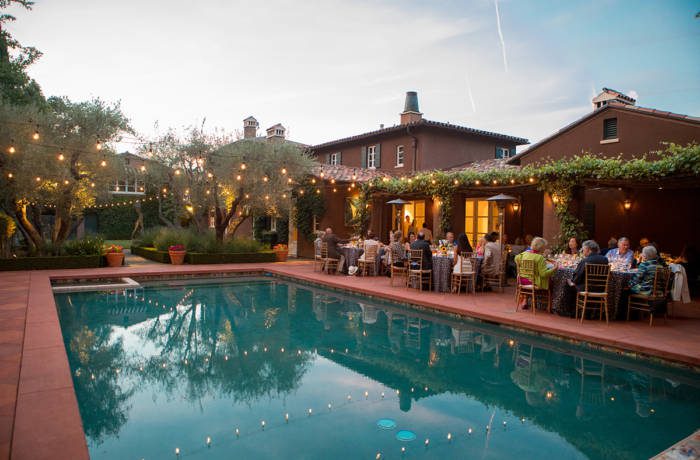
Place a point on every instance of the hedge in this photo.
(196, 258)
(151, 254)
(54, 262)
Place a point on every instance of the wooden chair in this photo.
(318, 259)
(526, 269)
(498, 279)
(657, 297)
(328, 262)
(397, 272)
(368, 262)
(467, 275)
(595, 292)
(416, 273)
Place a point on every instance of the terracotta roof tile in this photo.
(345, 173)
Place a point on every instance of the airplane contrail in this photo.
(500, 35)
(469, 91)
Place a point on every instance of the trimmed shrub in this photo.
(86, 246)
(46, 263)
(230, 258)
(151, 254)
(171, 236)
(242, 245)
(147, 236)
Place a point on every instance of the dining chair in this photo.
(396, 271)
(368, 261)
(595, 292)
(656, 300)
(328, 262)
(526, 269)
(416, 273)
(498, 279)
(467, 275)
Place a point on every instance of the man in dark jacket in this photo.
(591, 255)
(423, 245)
(332, 240)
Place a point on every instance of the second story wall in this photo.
(438, 149)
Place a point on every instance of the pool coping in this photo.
(46, 403)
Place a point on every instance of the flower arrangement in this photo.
(113, 249)
(176, 248)
(280, 248)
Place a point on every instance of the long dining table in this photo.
(564, 300)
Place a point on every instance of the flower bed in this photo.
(151, 254)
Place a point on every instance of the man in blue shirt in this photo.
(622, 255)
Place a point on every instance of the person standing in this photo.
(332, 240)
(427, 232)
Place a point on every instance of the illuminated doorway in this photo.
(415, 210)
(480, 217)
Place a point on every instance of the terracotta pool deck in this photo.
(39, 415)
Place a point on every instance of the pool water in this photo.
(265, 368)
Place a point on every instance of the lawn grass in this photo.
(122, 243)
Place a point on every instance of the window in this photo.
(399, 156)
(610, 128)
(504, 152)
(127, 186)
(279, 132)
(334, 159)
(372, 156)
(480, 217)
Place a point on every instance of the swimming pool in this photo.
(268, 368)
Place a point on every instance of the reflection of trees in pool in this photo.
(103, 397)
(200, 343)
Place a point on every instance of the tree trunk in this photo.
(162, 217)
(235, 223)
(33, 236)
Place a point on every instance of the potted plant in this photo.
(114, 255)
(177, 254)
(281, 251)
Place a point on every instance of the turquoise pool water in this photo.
(199, 367)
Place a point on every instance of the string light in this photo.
(143, 168)
(177, 172)
(61, 157)
(12, 149)
(98, 146)
(10, 175)
(243, 166)
(38, 179)
(36, 136)
(477, 182)
(103, 163)
(284, 170)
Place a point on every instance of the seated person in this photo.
(463, 247)
(622, 255)
(333, 241)
(591, 255)
(492, 255)
(450, 237)
(643, 281)
(612, 244)
(398, 251)
(572, 247)
(427, 232)
(481, 246)
(370, 241)
(424, 246)
(411, 239)
(542, 270)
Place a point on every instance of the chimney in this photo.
(276, 132)
(411, 113)
(250, 128)
(610, 95)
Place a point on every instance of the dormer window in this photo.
(279, 132)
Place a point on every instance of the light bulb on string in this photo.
(265, 179)
(143, 168)
(98, 145)
(284, 170)
(177, 172)
(36, 136)
(289, 180)
(103, 163)
(38, 179)
(12, 149)
(61, 157)
(10, 175)
(243, 166)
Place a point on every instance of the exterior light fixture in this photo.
(516, 207)
(627, 204)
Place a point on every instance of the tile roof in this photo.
(483, 165)
(424, 123)
(610, 105)
(345, 173)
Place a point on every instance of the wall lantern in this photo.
(627, 204)
(516, 207)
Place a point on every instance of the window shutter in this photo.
(328, 158)
(378, 156)
(363, 157)
(340, 158)
(512, 152)
(499, 153)
(610, 128)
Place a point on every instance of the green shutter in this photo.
(498, 153)
(363, 157)
(378, 156)
(340, 158)
(512, 152)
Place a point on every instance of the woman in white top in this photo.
(463, 249)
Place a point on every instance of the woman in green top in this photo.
(542, 272)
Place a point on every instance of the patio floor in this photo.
(39, 415)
